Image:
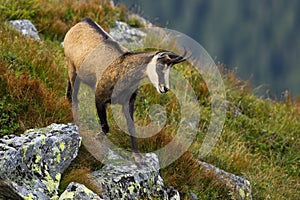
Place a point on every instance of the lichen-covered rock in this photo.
(240, 187)
(76, 191)
(7, 191)
(32, 163)
(125, 180)
(26, 28)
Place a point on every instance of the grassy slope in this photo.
(261, 143)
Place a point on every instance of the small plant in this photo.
(8, 118)
(22, 9)
(134, 21)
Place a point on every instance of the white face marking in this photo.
(166, 74)
(151, 72)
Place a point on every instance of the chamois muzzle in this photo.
(163, 89)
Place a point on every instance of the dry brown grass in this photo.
(38, 106)
(80, 171)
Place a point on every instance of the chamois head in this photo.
(158, 69)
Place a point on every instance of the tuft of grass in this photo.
(34, 104)
(8, 117)
(23, 9)
(80, 171)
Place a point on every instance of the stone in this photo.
(32, 163)
(7, 191)
(77, 191)
(126, 35)
(124, 179)
(26, 28)
(239, 187)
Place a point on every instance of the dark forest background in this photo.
(258, 38)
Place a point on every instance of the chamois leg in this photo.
(128, 112)
(69, 92)
(74, 98)
(72, 89)
(101, 111)
(75, 90)
(73, 83)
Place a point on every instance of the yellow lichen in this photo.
(50, 183)
(58, 176)
(131, 188)
(29, 197)
(37, 158)
(62, 146)
(67, 195)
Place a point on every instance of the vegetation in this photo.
(260, 38)
(260, 138)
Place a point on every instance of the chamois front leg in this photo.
(69, 91)
(131, 127)
(128, 112)
(101, 111)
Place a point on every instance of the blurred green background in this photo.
(258, 38)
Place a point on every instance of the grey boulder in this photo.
(31, 164)
(124, 179)
(26, 28)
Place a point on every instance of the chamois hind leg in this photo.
(73, 83)
(72, 89)
(74, 98)
(69, 91)
(101, 111)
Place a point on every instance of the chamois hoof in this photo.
(138, 158)
(100, 135)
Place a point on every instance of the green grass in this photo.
(260, 138)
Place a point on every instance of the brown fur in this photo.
(97, 60)
(117, 70)
(86, 48)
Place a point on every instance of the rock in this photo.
(26, 28)
(126, 35)
(76, 191)
(7, 191)
(32, 163)
(123, 179)
(240, 187)
(193, 195)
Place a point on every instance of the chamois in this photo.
(96, 59)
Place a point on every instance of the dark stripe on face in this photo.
(160, 73)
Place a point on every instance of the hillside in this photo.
(258, 38)
(259, 141)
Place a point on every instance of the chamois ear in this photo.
(170, 57)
